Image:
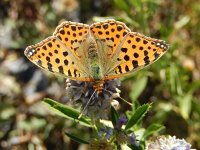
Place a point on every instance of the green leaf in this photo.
(114, 116)
(196, 106)
(133, 147)
(66, 111)
(138, 87)
(153, 128)
(75, 138)
(138, 115)
(175, 80)
(185, 103)
(122, 5)
(136, 3)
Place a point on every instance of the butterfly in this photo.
(96, 53)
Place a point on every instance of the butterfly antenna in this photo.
(120, 98)
(86, 105)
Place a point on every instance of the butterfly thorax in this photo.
(94, 61)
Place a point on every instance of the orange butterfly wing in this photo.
(72, 34)
(111, 32)
(52, 55)
(135, 51)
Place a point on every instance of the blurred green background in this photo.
(172, 83)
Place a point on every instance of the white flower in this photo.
(168, 143)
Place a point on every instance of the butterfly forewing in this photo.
(135, 51)
(52, 55)
(111, 32)
(72, 35)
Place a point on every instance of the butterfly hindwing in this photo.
(52, 55)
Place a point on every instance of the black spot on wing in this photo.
(39, 62)
(74, 34)
(56, 51)
(50, 54)
(105, 26)
(62, 32)
(141, 48)
(133, 46)
(156, 55)
(137, 39)
(57, 60)
(120, 69)
(145, 42)
(66, 62)
(65, 53)
(49, 66)
(135, 63)
(126, 68)
(124, 50)
(136, 55)
(49, 44)
(75, 73)
(100, 32)
(126, 57)
(60, 69)
(119, 28)
(44, 47)
(146, 60)
(69, 73)
(48, 58)
(145, 53)
(73, 28)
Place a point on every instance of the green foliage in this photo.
(138, 88)
(137, 115)
(66, 111)
(152, 129)
(114, 116)
(75, 138)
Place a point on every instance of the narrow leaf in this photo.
(137, 116)
(154, 128)
(134, 147)
(138, 87)
(75, 138)
(185, 103)
(66, 111)
(196, 106)
(114, 116)
(122, 5)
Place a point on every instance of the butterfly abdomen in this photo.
(98, 86)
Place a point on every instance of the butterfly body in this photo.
(94, 63)
(100, 52)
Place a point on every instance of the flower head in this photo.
(94, 104)
(168, 143)
(132, 140)
(122, 121)
(105, 133)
